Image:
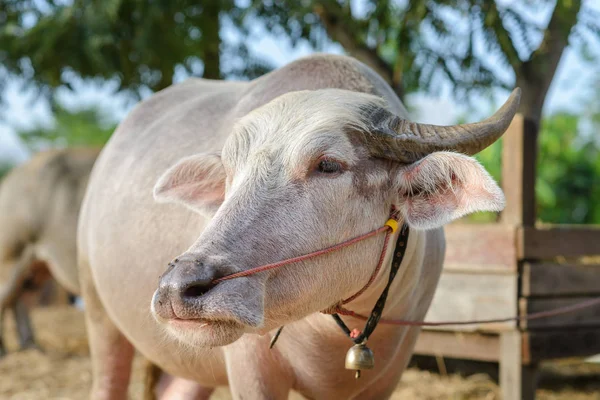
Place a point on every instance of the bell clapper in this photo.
(360, 357)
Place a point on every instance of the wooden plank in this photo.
(465, 297)
(479, 269)
(546, 345)
(519, 154)
(462, 345)
(480, 247)
(517, 381)
(554, 280)
(558, 240)
(587, 317)
(510, 364)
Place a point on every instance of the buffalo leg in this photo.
(12, 288)
(253, 370)
(23, 322)
(111, 352)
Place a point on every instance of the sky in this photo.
(23, 109)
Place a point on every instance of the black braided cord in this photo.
(375, 316)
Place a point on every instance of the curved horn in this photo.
(401, 140)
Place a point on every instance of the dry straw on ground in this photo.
(63, 370)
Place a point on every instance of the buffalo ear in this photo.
(444, 186)
(197, 182)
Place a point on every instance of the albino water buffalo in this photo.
(39, 208)
(209, 178)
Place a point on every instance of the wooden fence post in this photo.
(519, 157)
(517, 381)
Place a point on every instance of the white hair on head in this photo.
(312, 119)
(315, 110)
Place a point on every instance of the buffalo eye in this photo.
(329, 167)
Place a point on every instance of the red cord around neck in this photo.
(339, 309)
(321, 252)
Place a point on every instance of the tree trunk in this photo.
(533, 96)
(211, 41)
(535, 76)
(336, 23)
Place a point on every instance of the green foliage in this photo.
(418, 44)
(568, 173)
(413, 45)
(141, 43)
(86, 127)
(568, 177)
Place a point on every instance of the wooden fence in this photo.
(516, 267)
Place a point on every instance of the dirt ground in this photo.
(63, 370)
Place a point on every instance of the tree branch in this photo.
(493, 21)
(556, 37)
(336, 24)
(535, 75)
(211, 40)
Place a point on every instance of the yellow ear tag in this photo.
(392, 223)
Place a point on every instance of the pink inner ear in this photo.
(204, 191)
(424, 207)
(197, 182)
(445, 186)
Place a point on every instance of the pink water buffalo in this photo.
(209, 178)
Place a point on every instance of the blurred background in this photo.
(70, 70)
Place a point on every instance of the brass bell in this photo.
(360, 357)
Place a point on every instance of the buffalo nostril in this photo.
(197, 289)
